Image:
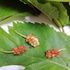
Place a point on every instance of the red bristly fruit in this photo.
(52, 53)
(19, 50)
(31, 39)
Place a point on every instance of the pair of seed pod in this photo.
(31, 39)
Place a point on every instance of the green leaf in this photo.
(68, 8)
(55, 11)
(10, 10)
(43, 1)
(45, 7)
(45, 64)
(34, 58)
(59, 0)
(63, 16)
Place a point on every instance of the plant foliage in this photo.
(34, 58)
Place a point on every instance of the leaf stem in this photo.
(20, 34)
(6, 52)
(62, 49)
(5, 18)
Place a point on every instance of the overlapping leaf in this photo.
(34, 58)
(60, 0)
(11, 9)
(43, 1)
(55, 11)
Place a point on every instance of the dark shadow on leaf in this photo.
(67, 6)
(18, 6)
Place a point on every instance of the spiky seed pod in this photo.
(52, 53)
(19, 50)
(32, 40)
